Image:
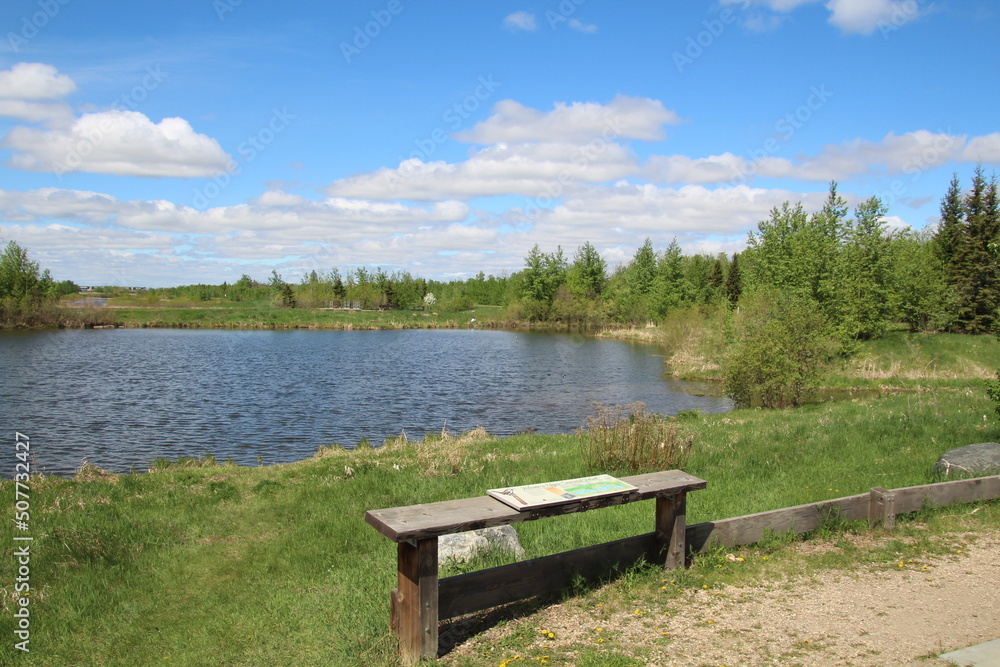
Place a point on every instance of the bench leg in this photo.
(416, 602)
(671, 527)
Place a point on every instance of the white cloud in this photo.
(119, 142)
(864, 16)
(279, 198)
(520, 20)
(851, 16)
(33, 112)
(530, 169)
(34, 81)
(30, 92)
(983, 149)
(582, 27)
(623, 117)
(909, 153)
(125, 143)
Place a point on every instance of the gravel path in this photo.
(869, 616)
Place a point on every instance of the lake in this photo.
(123, 397)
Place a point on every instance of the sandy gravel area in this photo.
(870, 615)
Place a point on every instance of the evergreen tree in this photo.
(588, 273)
(671, 286)
(543, 274)
(951, 229)
(734, 281)
(975, 270)
(641, 272)
(716, 276)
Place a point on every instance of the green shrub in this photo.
(993, 391)
(629, 439)
(782, 348)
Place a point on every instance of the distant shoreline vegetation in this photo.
(806, 292)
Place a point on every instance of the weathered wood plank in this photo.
(671, 525)
(911, 498)
(416, 605)
(454, 516)
(881, 508)
(483, 589)
(751, 528)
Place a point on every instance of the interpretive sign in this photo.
(564, 491)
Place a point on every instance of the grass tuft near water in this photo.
(208, 563)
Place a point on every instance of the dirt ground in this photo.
(866, 616)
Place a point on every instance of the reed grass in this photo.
(630, 440)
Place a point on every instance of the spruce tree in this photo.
(975, 271)
(951, 230)
(734, 281)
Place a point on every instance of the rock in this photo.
(463, 547)
(970, 461)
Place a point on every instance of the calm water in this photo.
(126, 396)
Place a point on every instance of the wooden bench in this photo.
(420, 600)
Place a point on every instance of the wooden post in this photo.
(881, 508)
(671, 528)
(416, 600)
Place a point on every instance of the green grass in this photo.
(265, 316)
(218, 564)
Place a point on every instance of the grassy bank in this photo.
(264, 316)
(696, 345)
(235, 565)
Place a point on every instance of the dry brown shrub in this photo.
(88, 472)
(629, 439)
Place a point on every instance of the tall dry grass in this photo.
(631, 440)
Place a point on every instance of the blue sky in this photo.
(193, 141)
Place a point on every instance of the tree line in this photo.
(24, 287)
(861, 276)
(858, 275)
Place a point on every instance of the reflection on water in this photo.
(124, 397)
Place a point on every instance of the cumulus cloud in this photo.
(34, 81)
(531, 170)
(117, 142)
(32, 92)
(624, 117)
(520, 20)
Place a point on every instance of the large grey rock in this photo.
(970, 461)
(464, 547)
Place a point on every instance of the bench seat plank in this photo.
(418, 522)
